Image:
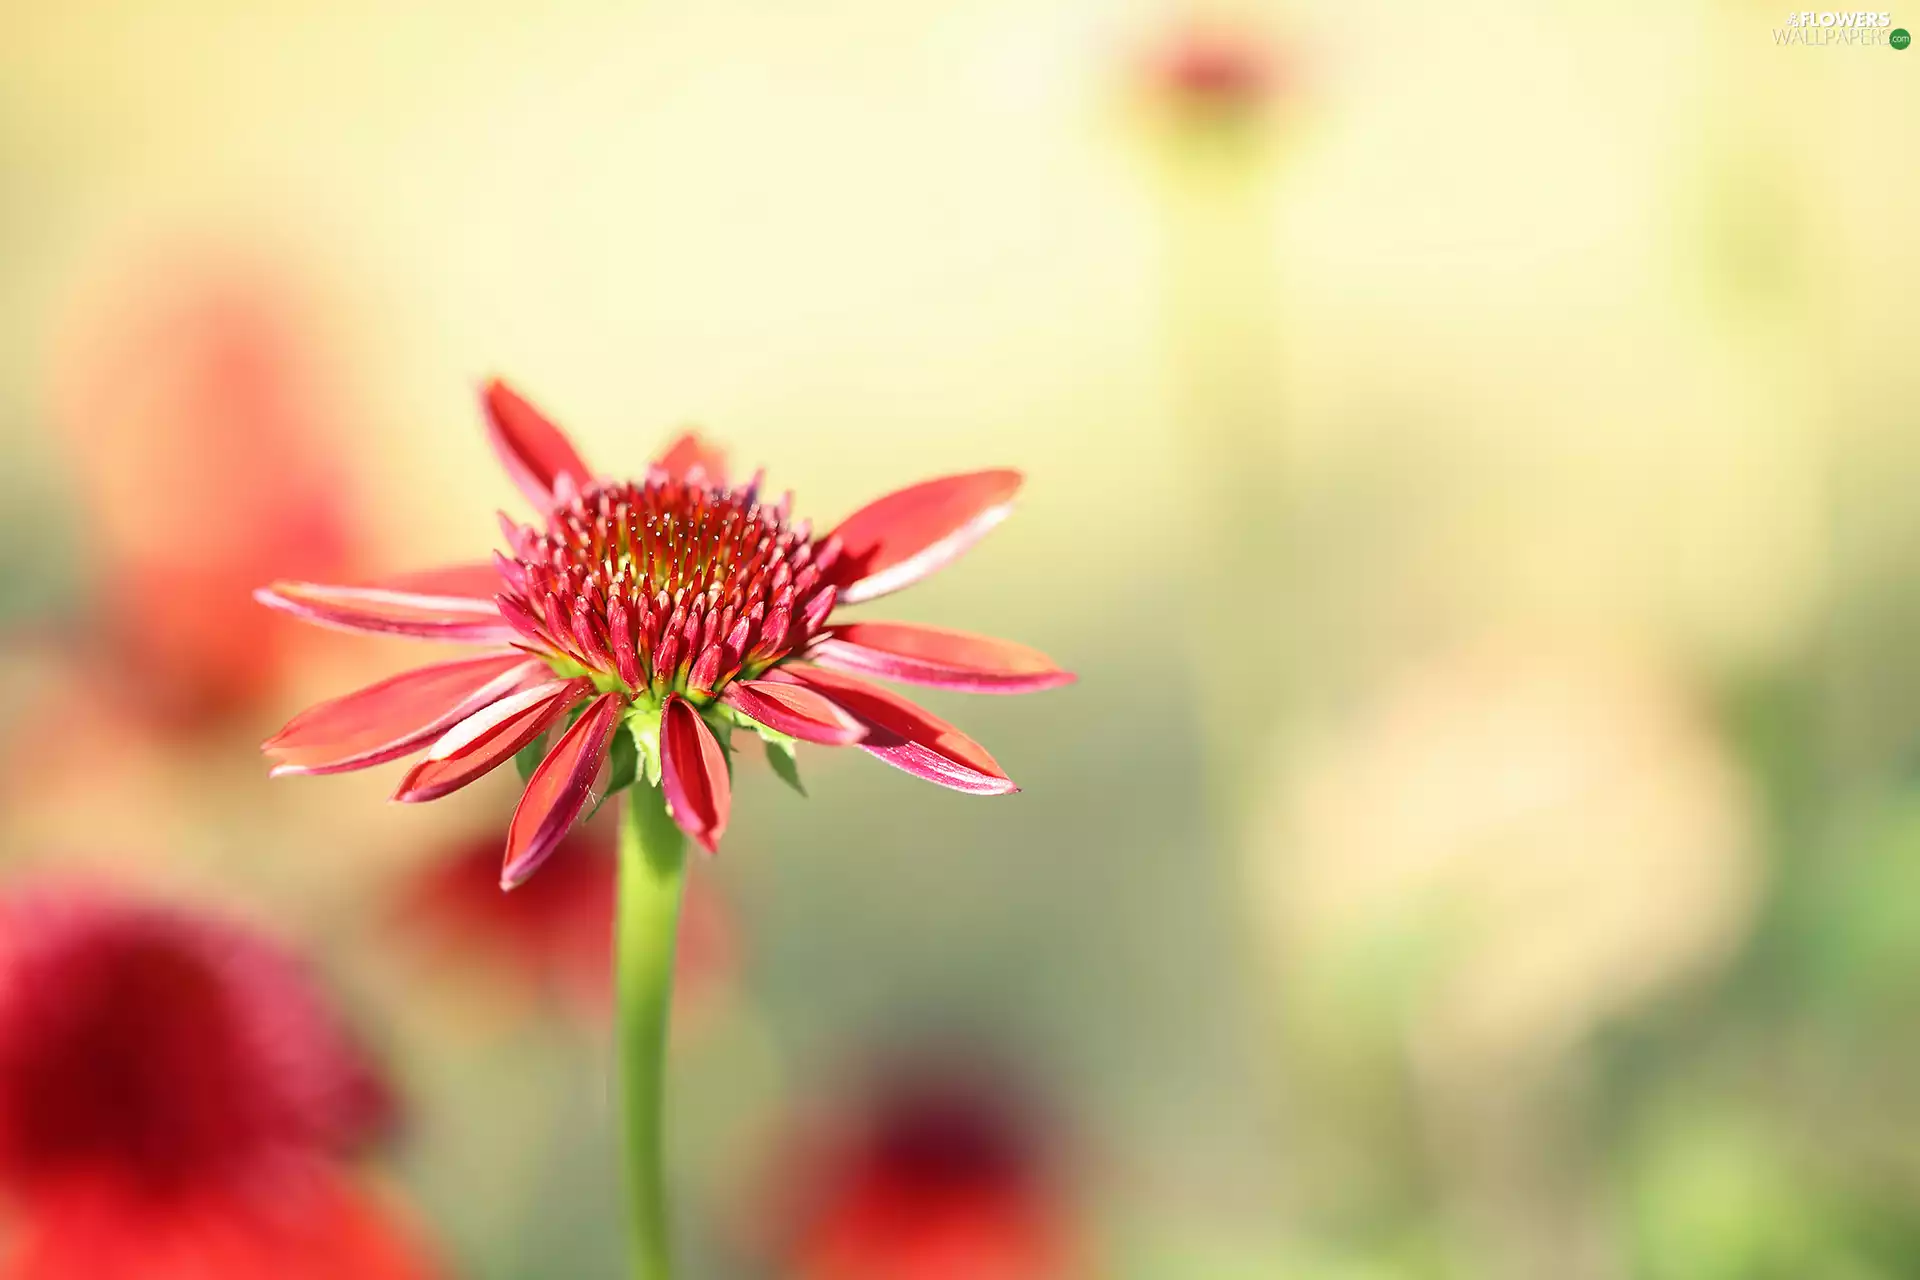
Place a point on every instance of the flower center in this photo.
(667, 586)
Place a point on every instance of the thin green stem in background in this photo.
(652, 867)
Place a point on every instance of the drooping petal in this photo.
(479, 581)
(794, 710)
(485, 740)
(906, 736)
(387, 611)
(693, 450)
(694, 773)
(939, 657)
(559, 789)
(400, 714)
(899, 539)
(536, 453)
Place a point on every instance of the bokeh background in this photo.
(1470, 457)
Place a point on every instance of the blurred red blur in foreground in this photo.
(178, 1102)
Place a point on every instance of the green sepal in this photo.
(528, 758)
(623, 760)
(642, 725)
(623, 765)
(780, 746)
(781, 756)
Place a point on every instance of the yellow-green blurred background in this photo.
(1470, 463)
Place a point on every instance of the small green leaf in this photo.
(643, 725)
(780, 756)
(623, 766)
(528, 758)
(623, 761)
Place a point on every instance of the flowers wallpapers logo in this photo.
(1844, 27)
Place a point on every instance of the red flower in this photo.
(667, 612)
(198, 392)
(176, 1101)
(557, 930)
(938, 1177)
(1212, 67)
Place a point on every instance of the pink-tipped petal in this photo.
(693, 770)
(897, 540)
(478, 582)
(939, 657)
(386, 611)
(538, 457)
(691, 450)
(794, 710)
(906, 736)
(485, 740)
(398, 715)
(559, 789)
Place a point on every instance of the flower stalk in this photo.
(652, 872)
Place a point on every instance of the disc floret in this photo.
(668, 586)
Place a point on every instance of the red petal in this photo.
(484, 740)
(792, 710)
(535, 453)
(901, 538)
(559, 789)
(386, 611)
(694, 772)
(939, 657)
(691, 451)
(906, 736)
(479, 582)
(400, 714)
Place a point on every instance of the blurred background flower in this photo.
(937, 1167)
(176, 1100)
(1471, 475)
(1570, 808)
(1213, 69)
(203, 419)
(553, 936)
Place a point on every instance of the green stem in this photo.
(652, 866)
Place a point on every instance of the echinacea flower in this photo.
(641, 623)
(937, 1175)
(177, 1102)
